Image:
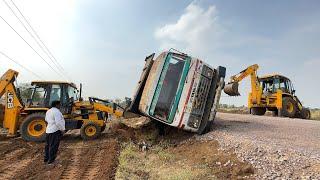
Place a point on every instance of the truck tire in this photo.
(260, 111)
(208, 127)
(275, 113)
(305, 113)
(33, 127)
(90, 131)
(289, 107)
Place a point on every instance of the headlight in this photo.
(194, 121)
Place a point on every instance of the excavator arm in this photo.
(232, 88)
(13, 104)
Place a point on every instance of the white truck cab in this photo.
(179, 90)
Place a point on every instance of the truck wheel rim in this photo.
(90, 131)
(36, 128)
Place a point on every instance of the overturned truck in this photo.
(178, 90)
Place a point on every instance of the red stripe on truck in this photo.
(188, 96)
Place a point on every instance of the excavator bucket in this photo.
(232, 89)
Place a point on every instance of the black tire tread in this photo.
(83, 134)
(305, 113)
(284, 112)
(259, 111)
(24, 126)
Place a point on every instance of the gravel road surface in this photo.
(278, 148)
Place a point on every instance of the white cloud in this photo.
(195, 31)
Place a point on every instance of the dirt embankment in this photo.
(177, 155)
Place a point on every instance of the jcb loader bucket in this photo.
(133, 108)
(232, 89)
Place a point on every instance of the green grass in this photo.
(315, 114)
(156, 163)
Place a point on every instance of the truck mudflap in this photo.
(132, 109)
(216, 88)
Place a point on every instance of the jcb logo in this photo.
(10, 100)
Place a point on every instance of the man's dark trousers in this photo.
(52, 146)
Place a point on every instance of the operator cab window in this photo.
(267, 86)
(39, 97)
(284, 86)
(73, 93)
(55, 93)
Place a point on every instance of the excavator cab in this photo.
(274, 83)
(45, 92)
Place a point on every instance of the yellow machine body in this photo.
(28, 119)
(271, 92)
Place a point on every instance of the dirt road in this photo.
(78, 159)
(277, 147)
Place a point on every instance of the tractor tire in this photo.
(90, 131)
(305, 113)
(275, 113)
(33, 127)
(289, 107)
(260, 111)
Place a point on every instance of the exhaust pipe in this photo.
(232, 89)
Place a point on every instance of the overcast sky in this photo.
(103, 43)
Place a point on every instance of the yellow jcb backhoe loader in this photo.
(271, 92)
(28, 119)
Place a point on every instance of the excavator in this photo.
(28, 118)
(270, 92)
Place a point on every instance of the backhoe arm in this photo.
(13, 105)
(6, 79)
(232, 87)
(250, 71)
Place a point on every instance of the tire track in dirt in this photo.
(71, 171)
(12, 154)
(9, 171)
(93, 167)
(77, 159)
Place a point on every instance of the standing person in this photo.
(54, 132)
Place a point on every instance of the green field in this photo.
(315, 114)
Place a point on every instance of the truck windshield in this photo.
(169, 82)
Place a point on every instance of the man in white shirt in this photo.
(54, 132)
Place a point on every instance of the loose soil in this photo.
(77, 159)
(174, 154)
